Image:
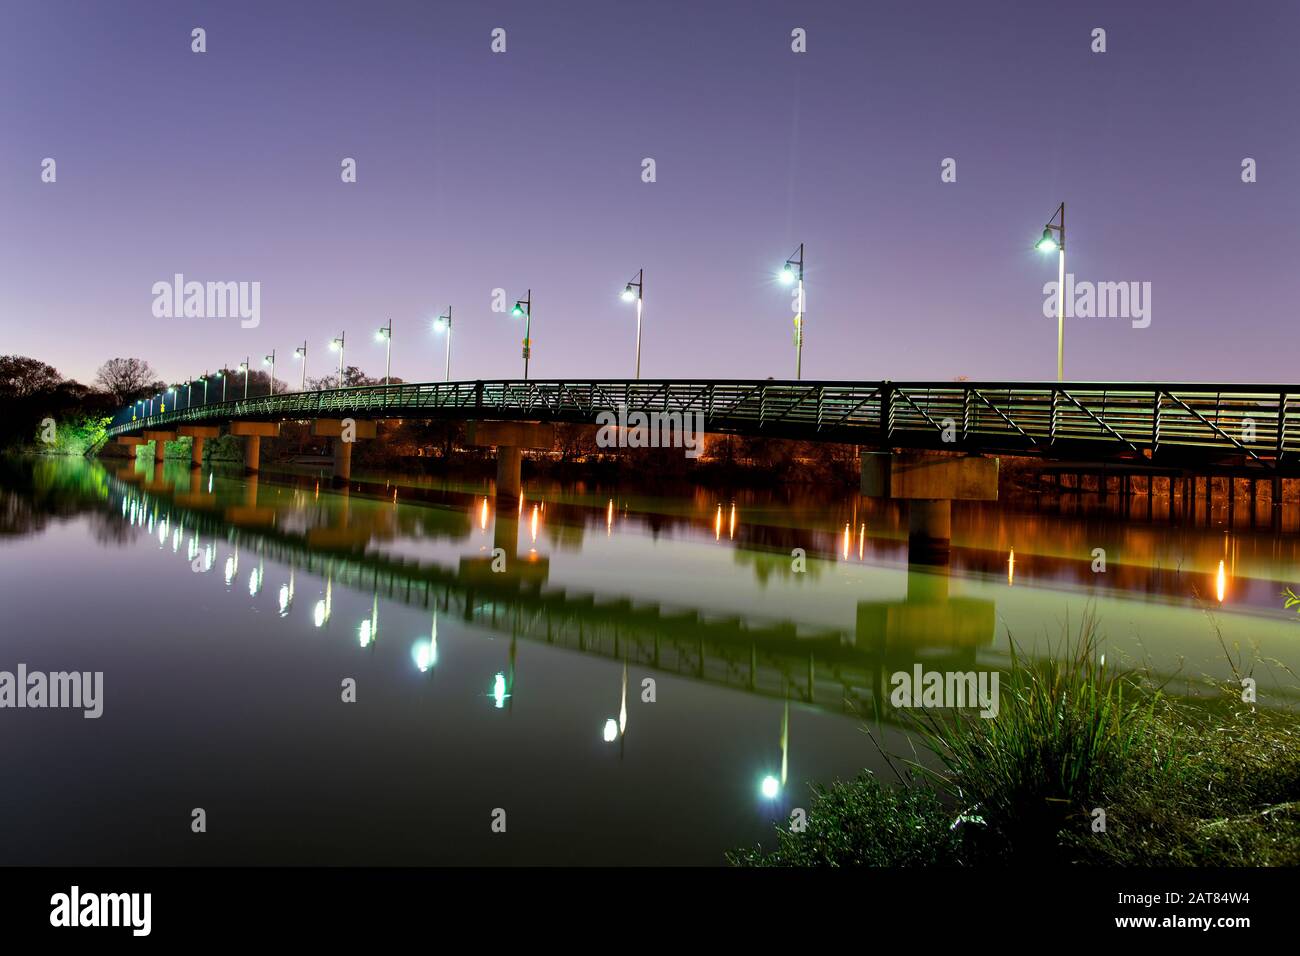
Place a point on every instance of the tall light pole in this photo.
(205, 386)
(385, 334)
(791, 272)
(637, 283)
(189, 396)
(270, 360)
(443, 324)
(524, 307)
(244, 368)
(337, 346)
(1050, 243)
(301, 353)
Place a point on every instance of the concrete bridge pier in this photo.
(159, 439)
(929, 483)
(344, 432)
(509, 439)
(198, 435)
(253, 433)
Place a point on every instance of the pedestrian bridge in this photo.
(1185, 424)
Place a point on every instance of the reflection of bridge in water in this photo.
(842, 669)
(830, 668)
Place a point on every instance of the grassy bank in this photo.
(1082, 766)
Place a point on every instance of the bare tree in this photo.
(21, 377)
(125, 378)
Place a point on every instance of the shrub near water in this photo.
(1179, 784)
(1065, 734)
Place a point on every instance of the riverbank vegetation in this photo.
(1083, 765)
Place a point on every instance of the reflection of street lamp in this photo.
(385, 334)
(499, 692)
(270, 360)
(443, 324)
(1050, 243)
(638, 282)
(337, 346)
(524, 307)
(369, 629)
(301, 353)
(286, 595)
(771, 785)
(792, 271)
(321, 613)
(424, 652)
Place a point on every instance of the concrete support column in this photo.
(159, 448)
(196, 452)
(342, 460)
(509, 461)
(252, 452)
(929, 528)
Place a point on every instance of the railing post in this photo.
(1281, 428)
(1155, 422)
(1051, 424)
(968, 403)
(886, 412)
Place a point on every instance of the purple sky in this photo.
(516, 170)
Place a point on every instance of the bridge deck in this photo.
(1255, 425)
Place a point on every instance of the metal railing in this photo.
(1254, 423)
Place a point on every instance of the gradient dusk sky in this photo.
(479, 170)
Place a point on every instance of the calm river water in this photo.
(648, 680)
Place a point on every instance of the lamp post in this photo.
(443, 324)
(385, 334)
(189, 395)
(337, 346)
(270, 360)
(524, 307)
(205, 386)
(792, 271)
(1050, 243)
(301, 353)
(243, 367)
(222, 375)
(637, 283)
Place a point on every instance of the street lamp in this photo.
(637, 283)
(301, 353)
(270, 360)
(524, 307)
(337, 346)
(205, 386)
(243, 367)
(443, 324)
(792, 271)
(385, 334)
(189, 395)
(222, 375)
(1050, 243)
